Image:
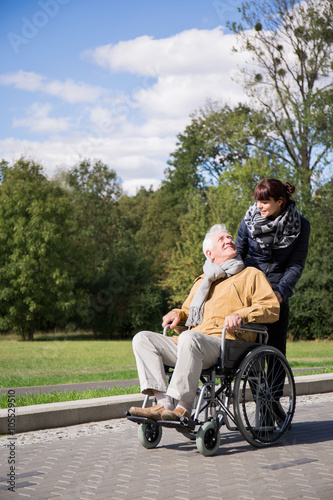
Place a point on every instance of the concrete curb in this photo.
(314, 384)
(47, 416)
(51, 415)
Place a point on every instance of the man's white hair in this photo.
(208, 242)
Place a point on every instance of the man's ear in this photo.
(208, 254)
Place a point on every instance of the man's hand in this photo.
(233, 321)
(279, 297)
(172, 317)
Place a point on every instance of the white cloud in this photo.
(180, 95)
(68, 90)
(73, 92)
(131, 187)
(131, 158)
(23, 80)
(185, 69)
(139, 165)
(100, 116)
(162, 126)
(108, 119)
(189, 52)
(37, 120)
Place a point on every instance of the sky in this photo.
(111, 80)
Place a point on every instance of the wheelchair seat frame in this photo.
(252, 390)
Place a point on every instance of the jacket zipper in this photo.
(268, 268)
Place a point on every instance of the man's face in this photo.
(223, 248)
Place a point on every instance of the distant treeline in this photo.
(76, 253)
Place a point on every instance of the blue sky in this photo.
(110, 80)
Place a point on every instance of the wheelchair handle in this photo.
(166, 328)
(256, 328)
(249, 327)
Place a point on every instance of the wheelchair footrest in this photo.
(141, 420)
(185, 425)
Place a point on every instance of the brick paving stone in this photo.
(105, 461)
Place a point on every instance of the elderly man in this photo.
(225, 295)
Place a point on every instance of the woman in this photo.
(274, 238)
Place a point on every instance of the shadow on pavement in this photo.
(300, 433)
(309, 432)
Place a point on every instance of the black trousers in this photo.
(278, 338)
(278, 331)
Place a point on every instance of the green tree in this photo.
(36, 269)
(116, 271)
(186, 259)
(95, 190)
(218, 138)
(133, 209)
(291, 44)
(311, 314)
(126, 299)
(161, 225)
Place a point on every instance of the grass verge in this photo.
(61, 396)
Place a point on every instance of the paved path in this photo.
(104, 461)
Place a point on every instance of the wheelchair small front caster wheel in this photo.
(208, 441)
(149, 435)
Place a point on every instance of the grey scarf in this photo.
(212, 273)
(275, 233)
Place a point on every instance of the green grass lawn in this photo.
(305, 354)
(50, 362)
(59, 362)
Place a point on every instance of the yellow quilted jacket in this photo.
(248, 293)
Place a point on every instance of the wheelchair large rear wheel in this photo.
(264, 396)
(149, 435)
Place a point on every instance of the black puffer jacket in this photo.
(283, 267)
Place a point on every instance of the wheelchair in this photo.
(251, 390)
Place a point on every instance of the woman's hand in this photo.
(279, 297)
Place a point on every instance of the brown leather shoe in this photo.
(174, 415)
(153, 412)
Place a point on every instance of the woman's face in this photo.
(270, 207)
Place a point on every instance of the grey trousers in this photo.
(194, 352)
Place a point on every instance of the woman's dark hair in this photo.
(273, 188)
